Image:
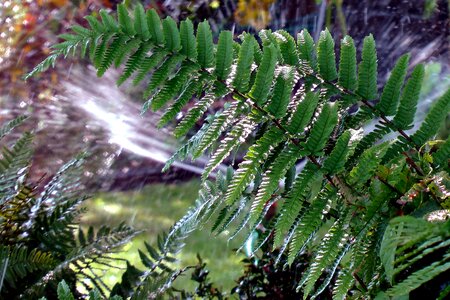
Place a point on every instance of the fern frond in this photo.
(236, 136)
(127, 48)
(277, 170)
(220, 124)
(370, 139)
(188, 44)
(303, 113)
(322, 129)
(344, 283)
(335, 162)
(160, 75)
(154, 26)
(367, 165)
(107, 20)
(336, 241)
(14, 164)
(147, 64)
(408, 102)
(194, 114)
(420, 277)
(125, 21)
(8, 127)
(264, 75)
(347, 64)
(441, 156)
(306, 48)
(172, 40)
(325, 56)
(282, 90)
(224, 55)
(294, 201)
(255, 156)
(111, 54)
(134, 62)
(172, 87)
(140, 22)
(287, 47)
(244, 64)
(433, 120)
(22, 262)
(309, 222)
(205, 46)
(391, 92)
(367, 70)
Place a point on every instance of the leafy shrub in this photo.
(292, 104)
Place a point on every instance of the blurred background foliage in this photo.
(68, 116)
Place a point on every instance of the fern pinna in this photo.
(288, 99)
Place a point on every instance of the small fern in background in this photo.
(293, 104)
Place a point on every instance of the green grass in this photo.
(154, 209)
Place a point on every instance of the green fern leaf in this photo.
(322, 129)
(171, 35)
(188, 92)
(335, 162)
(154, 26)
(100, 50)
(441, 156)
(8, 127)
(277, 170)
(330, 252)
(264, 75)
(172, 87)
(194, 114)
(64, 292)
(367, 165)
(244, 65)
(188, 46)
(282, 90)
(234, 138)
(420, 277)
(148, 64)
(433, 120)
(326, 57)
(108, 21)
(140, 22)
(347, 64)
(125, 22)
(408, 102)
(134, 62)
(248, 168)
(391, 92)
(306, 48)
(126, 49)
(367, 70)
(344, 283)
(220, 124)
(95, 24)
(224, 56)
(162, 73)
(111, 54)
(309, 222)
(368, 140)
(294, 201)
(205, 46)
(287, 47)
(184, 151)
(303, 113)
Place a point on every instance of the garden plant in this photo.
(367, 212)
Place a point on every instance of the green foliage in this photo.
(350, 187)
(41, 241)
